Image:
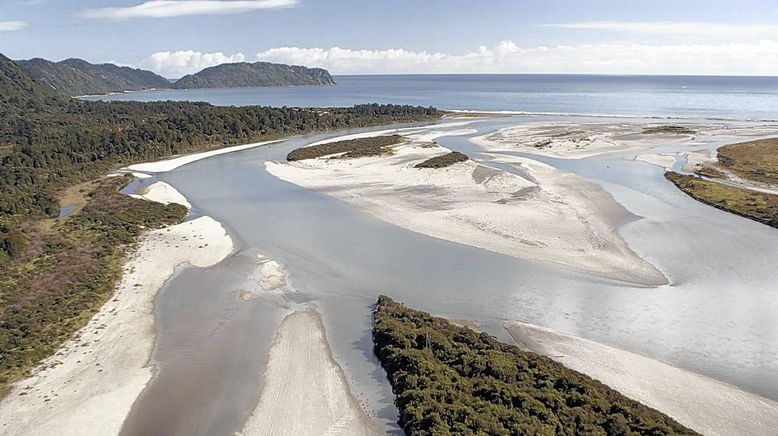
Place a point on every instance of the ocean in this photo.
(705, 97)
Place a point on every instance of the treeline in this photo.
(48, 142)
(452, 380)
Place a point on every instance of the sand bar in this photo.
(162, 192)
(305, 392)
(162, 166)
(699, 402)
(559, 218)
(89, 385)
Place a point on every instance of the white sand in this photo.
(573, 140)
(89, 385)
(563, 219)
(701, 403)
(162, 192)
(162, 166)
(665, 161)
(271, 275)
(400, 131)
(305, 390)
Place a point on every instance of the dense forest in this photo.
(73, 77)
(79, 77)
(451, 380)
(56, 272)
(243, 74)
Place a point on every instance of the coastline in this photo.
(89, 385)
(701, 403)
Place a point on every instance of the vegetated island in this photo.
(350, 148)
(452, 380)
(75, 77)
(54, 151)
(758, 206)
(752, 165)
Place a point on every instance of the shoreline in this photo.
(89, 385)
(701, 403)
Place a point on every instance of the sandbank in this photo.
(162, 192)
(701, 403)
(558, 218)
(162, 166)
(306, 392)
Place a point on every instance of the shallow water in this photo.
(716, 318)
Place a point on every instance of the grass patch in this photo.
(710, 171)
(668, 129)
(443, 161)
(352, 148)
(452, 380)
(754, 160)
(58, 276)
(757, 206)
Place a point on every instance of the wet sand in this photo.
(305, 391)
(89, 385)
(556, 218)
(701, 403)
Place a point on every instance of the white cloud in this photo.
(674, 28)
(181, 63)
(12, 26)
(752, 58)
(177, 8)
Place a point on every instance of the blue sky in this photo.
(403, 36)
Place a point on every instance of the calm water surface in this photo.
(716, 318)
(659, 96)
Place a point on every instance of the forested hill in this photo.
(243, 75)
(48, 142)
(74, 77)
(78, 77)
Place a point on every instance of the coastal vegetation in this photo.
(754, 160)
(350, 148)
(668, 129)
(443, 161)
(758, 206)
(452, 380)
(61, 271)
(56, 272)
(242, 75)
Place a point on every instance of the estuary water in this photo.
(717, 317)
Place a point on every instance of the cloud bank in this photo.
(739, 58)
(180, 63)
(178, 8)
(12, 26)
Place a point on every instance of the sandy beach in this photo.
(305, 392)
(701, 403)
(556, 218)
(89, 385)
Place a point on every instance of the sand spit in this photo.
(581, 140)
(162, 166)
(305, 392)
(665, 161)
(559, 218)
(89, 385)
(701, 403)
(162, 192)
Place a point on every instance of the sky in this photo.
(178, 37)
